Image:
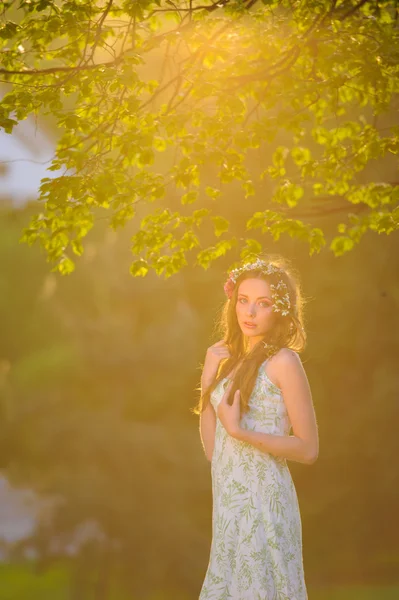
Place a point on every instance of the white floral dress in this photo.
(256, 550)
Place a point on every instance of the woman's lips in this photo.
(250, 325)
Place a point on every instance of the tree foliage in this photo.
(170, 111)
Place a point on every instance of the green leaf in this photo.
(145, 157)
(190, 197)
(248, 188)
(300, 155)
(159, 144)
(77, 247)
(341, 244)
(139, 268)
(220, 225)
(205, 257)
(288, 193)
(251, 249)
(279, 156)
(8, 30)
(212, 192)
(66, 266)
(8, 124)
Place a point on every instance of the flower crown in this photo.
(280, 295)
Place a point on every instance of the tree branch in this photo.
(50, 70)
(352, 10)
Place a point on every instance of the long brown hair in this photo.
(287, 332)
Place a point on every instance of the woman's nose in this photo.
(251, 309)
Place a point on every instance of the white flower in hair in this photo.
(281, 298)
(260, 264)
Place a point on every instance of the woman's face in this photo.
(254, 308)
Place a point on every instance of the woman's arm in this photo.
(215, 353)
(303, 446)
(207, 430)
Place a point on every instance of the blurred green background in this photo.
(98, 373)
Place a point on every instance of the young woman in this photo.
(253, 391)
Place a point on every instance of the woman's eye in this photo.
(262, 303)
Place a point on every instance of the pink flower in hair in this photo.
(229, 287)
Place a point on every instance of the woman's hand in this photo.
(214, 355)
(230, 415)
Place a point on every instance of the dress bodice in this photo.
(267, 411)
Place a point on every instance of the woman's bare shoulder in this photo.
(282, 363)
(285, 357)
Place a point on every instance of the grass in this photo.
(348, 592)
(20, 582)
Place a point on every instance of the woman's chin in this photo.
(250, 334)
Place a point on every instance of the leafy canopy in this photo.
(204, 123)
